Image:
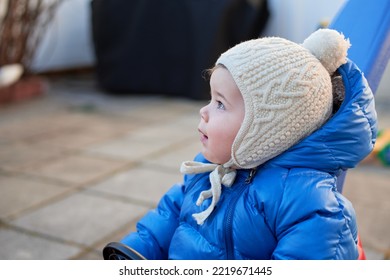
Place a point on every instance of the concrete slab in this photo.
(16, 245)
(90, 130)
(171, 132)
(148, 141)
(18, 156)
(19, 194)
(140, 184)
(368, 188)
(172, 160)
(81, 218)
(76, 169)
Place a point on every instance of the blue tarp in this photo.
(367, 25)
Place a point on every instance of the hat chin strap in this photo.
(220, 175)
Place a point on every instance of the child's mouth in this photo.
(203, 137)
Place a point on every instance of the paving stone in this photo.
(157, 110)
(82, 218)
(18, 156)
(24, 129)
(173, 159)
(376, 179)
(129, 149)
(116, 237)
(76, 169)
(368, 188)
(373, 255)
(373, 228)
(146, 142)
(40, 126)
(78, 96)
(167, 133)
(83, 135)
(18, 194)
(139, 183)
(89, 255)
(17, 245)
(95, 253)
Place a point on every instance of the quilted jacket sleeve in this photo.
(156, 228)
(314, 221)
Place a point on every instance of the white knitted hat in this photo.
(287, 91)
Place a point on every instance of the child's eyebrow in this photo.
(220, 95)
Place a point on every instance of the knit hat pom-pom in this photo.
(329, 46)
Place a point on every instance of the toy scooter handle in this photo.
(120, 251)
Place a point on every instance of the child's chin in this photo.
(207, 156)
(211, 158)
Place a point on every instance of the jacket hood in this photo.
(346, 138)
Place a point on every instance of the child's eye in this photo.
(220, 105)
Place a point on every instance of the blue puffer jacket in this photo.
(288, 209)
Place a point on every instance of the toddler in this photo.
(283, 121)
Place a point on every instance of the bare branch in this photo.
(22, 25)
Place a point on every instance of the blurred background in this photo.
(99, 105)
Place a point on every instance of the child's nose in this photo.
(204, 113)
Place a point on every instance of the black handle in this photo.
(120, 251)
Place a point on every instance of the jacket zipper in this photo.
(229, 216)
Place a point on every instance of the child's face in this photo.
(221, 118)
